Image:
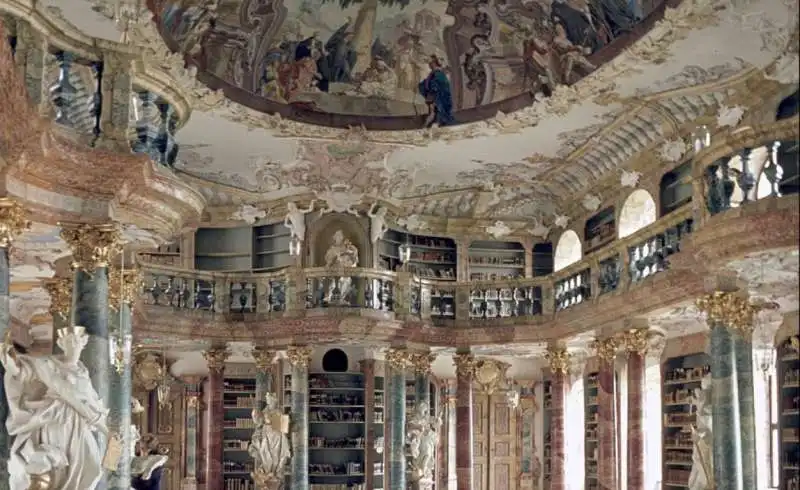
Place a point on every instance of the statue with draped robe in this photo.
(269, 445)
(702, 474)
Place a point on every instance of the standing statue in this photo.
(421, 430)
(269, 446)
(702, 475)
(377, 222)
(54, 415)
(341, 254)
(296, 219)
(147, 467)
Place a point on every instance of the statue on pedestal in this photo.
(147, 467)
(702, 474)
(54, 415)
(269, 446)
(296, 219)
(341, 254)
(421, 436)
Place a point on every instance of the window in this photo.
(774, 440)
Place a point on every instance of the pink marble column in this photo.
(606, 434)
(558, 386)
(215, 386)
(465, 371)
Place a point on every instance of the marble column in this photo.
(214, 394)
(191, 432)
(299, 357)
(558, 357)
(124, 289)
(12, 222)
(743, 358)
(452, 482)
(606, 412)
(265, 359)
(636, 343)
(465, 374)
(724, 409)
(60, 291)
(397, 361)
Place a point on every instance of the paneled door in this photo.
(495, 443)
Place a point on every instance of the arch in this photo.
(788, 107)
(675, 188)
(568, 250)
(638, 211)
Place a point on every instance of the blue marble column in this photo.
(422, 381)
(724, 409)
(743, 349)
(397, 362)
(299, 358)
(264, 359)
(119, 405)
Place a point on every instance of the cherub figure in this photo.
(296, 219)
(377, 222)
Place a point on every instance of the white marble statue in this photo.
(377, 222)
(296, 219)
(54, 414)
(421, 433)
(702, 474)
(269, 445)
(341, 254)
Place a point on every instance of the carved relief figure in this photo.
(296, 219)
(377, 222)
(702, 474)
(341, 254)
(54, 415)
(421, 431)
(270, 444)
(147, 467)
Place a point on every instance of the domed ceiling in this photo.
(397, 64)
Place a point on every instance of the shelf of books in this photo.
(337, 428)
(789, 412)
(681, 375)
(239, 398)
(378, 419)
(591, 434)
(548, 407)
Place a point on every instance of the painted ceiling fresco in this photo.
(397, 64)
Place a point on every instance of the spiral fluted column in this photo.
(299, 357)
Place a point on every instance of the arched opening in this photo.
(568, 250)
(638, 211)
(788, 107)
(335, 361)
(675, 188)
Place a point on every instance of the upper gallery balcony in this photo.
(731, 198)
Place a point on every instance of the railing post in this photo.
(402, 295)
(548, 299)
(295, 291)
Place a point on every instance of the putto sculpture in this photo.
(421, 430)
(269, 445)
(54, 415)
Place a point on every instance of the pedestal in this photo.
(607, 428)
(726, 450)
(636, 460)
(558, 393)
(119, 409)
(743, 354)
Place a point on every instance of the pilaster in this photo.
(606, 350)
(636, 342)
(214, 394)
(299, 357)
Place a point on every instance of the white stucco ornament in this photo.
(498, 229)
(785, 70)
(413, 223)
(249, 214)
(729, 116)
(338, 199)
(673, 150)
(132, 234)
(591, 202)
(562, 221)
(539, 229)
(629, 178)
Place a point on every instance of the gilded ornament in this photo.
(264, 358)
(490, 375)
(421, 362)
(794, 343)
(147, 370)
(606, 348)
(60, 291)
(465, 365)
(730, 309)
(13, 221)
(92, 245)
(558, 357)
(636, 341)
(192, 401)
(124, 286)
(299, 356)
(216, 357)
(398, 359)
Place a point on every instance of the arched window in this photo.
(638, 211)
(568, 250)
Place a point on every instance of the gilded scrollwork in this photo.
(60, 291)
(465, 365)
(606, 349)
(636, 341)
(216, 357)
(729, 308)
(299, 356)
(398, 359)
(490, 375)
(148, 370)
(123, 286)
(13, 221)
(92, 245)
(264, 358)
(421, 362)
(558, 358)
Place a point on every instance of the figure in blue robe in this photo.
(436, 91)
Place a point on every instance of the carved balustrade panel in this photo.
(350, 288)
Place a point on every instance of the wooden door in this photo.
(480, 441)
(502, 445)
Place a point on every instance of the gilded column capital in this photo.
(216, 357)
(60, 291)
(606, 349)
(729, 308)
(92, 245)
(264, 358)
(636, 341)
(123, 286)
(465, 365)
(559, 359)
(13, 221)
(421, 362)
(398, 359)
(299, 356)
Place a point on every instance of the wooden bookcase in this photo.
(378, 421)
(490, 261)
(592, 446)
(271, 247)
(680, 377)
(263, 248)
(431, 257)
(675, 188)
(542, 259)
(169, 255)
(789, 412)
(239, 397)
(600, 229)
(547, 463)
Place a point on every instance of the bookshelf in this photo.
(431, 257)
(263, 248)
(378, 420)
(271, 247)
(547, 464)
(239, 397)
(169, 255)
(675, 188)
(490, 261)
(789, 412)
(681, 375)
(591, 431)
(542, 259)
(600, 229)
